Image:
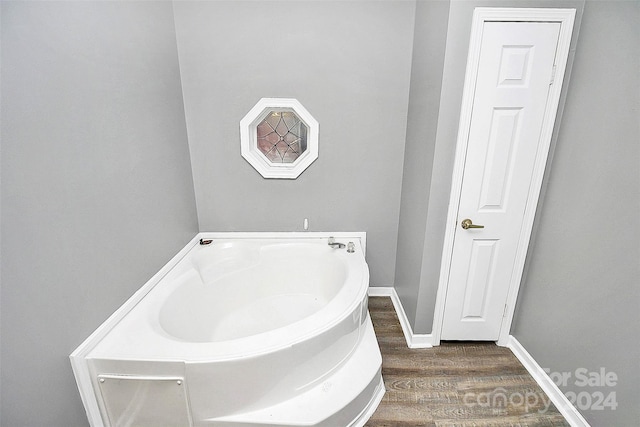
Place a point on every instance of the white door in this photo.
(514, 74)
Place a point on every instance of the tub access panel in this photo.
(145, 400)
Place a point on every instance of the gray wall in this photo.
(579, 303)
(426, 82)
(348, 63)
(97, 191)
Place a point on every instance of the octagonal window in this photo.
(282, 136)
(279, 138)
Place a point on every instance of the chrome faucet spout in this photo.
(335, 245)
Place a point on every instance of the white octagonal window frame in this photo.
(249, 139)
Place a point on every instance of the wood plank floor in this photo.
(454, 384)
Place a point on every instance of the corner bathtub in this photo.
(244, 331)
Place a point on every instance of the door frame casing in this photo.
(481, 15)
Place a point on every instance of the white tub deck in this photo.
(243, 332)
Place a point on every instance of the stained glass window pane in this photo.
(282, 136)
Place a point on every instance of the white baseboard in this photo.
(413, 340)
(558, 398)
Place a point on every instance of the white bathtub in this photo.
(248, 331)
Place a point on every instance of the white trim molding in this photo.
(413, 340)
(481, 15)
(547, 385)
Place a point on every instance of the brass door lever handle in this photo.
(467, 223)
